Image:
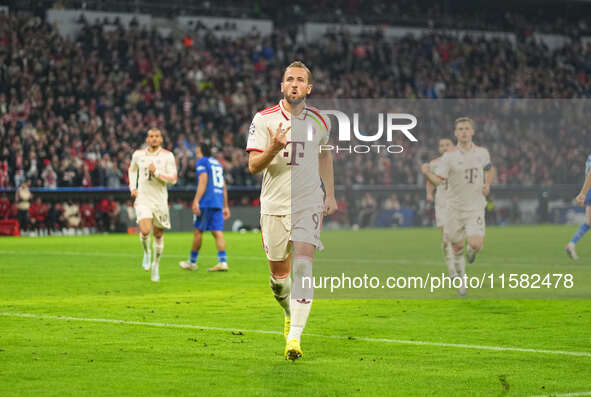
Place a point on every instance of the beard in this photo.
(294, 101)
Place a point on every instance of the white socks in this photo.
(158, 248)
(145, 240)
(281, 288)
(302, 295)
(448, 253)
(460, 263)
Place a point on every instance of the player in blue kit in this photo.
(210, 207)
(582, 199)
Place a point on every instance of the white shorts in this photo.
(462, 224)
(158, 213)
(279, 231)
(440, 215)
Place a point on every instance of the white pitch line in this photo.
(576, 394)
(340, 337)
(258, 258)
(104, 254)
(393, 261)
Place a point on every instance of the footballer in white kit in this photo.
(284, 142)
(468, 172)
(291, 193)
(151, 170)
(438, 196)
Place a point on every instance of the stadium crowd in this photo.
(72, 112)
(39, 217)
(524, 19)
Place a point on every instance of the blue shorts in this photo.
(588, 198)
(210, 219)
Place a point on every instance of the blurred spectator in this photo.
(107, 213)
(391, 202)
(4, 206)
(368, 210)
(23, 203)
(4, 177)
(113, 175)
(115, 217)
(55, 217)
(87, 214)
(68, 174)
(128, 214)
(544, 196)
(514, 214)
(38, 214)
(72, 215)
(102, 211)
(48, 175)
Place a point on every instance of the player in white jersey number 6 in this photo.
(292, 201)
(150, 171)
(469, 174)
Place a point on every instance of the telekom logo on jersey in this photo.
(392, 125)
(294, 151)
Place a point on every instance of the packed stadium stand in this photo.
(72, 109)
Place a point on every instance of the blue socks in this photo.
(193, 256)
(222, 257)
(580, 233)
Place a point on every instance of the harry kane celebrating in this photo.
(284, 142)
(150, 171)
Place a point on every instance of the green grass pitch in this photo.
(202, 334)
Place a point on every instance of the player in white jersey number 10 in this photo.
(150, 171)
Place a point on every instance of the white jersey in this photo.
(291, 181)
(464, 172)
(441, 190)
(588, 165)
(152, 187)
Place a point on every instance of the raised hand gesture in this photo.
(278, 139)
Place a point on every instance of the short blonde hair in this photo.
(299, 64)
(465, 120)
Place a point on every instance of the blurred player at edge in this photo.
(469, 173)
(291, 219)
(150, 171)
(583, 199)
(210, 208)
(440, 201)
